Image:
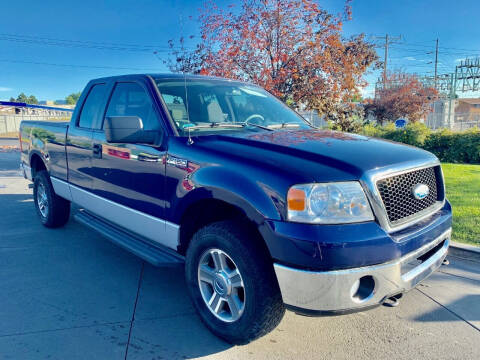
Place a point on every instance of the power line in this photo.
(76, 65)
(421, 51)
(388, 41)
(430, 47)
(37, 40)
(72, 45)
(441, 47)
(83, 41)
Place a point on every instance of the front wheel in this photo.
(232, 283)
(53, 210)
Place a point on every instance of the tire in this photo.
(262, 307)
(53, 210)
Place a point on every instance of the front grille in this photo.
(397, 192)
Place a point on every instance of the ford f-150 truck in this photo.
(265, 211)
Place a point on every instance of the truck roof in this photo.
(167, 76)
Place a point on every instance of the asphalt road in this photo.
(70, 294)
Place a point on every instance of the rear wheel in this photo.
(232, 284)
(53, 210)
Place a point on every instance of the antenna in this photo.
(190, 140)
(182, 49)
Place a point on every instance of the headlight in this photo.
(328, 203)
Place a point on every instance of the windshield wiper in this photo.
(213, 125)
(244, 124)
(240, 125)
(283, 125)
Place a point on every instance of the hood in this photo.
(339, 152)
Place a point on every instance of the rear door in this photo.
(79, 145)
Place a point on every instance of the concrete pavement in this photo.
(9, 158)
(9, 142)
(70, 294)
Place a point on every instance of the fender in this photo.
(255, 199)
(43, 155)
(48, 142)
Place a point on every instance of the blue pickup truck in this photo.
(264, 211)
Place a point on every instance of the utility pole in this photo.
(385, 63)
(436, 63)
(388, 41)
(452, 96)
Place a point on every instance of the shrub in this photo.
(374, 131)
(413, 134)
(457, 147)
(448, 146)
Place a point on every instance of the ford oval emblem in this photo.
(420, 191)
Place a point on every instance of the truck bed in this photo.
(46, 139)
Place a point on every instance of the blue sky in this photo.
(45, 70)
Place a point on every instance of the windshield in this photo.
(204, 106)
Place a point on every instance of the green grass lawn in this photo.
(463, 191)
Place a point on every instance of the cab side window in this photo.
(93, 107)
(130, 99)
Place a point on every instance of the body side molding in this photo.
(61, 188)
(150, 227)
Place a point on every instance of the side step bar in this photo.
(156, 255)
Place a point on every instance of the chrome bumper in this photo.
(354, 289)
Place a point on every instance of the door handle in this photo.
(148, 157)
(97, 151)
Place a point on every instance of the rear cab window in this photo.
(93, 107)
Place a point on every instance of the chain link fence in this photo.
(435, 121)
(458, 121)
(313, 118)
(10, 123)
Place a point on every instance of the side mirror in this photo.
(128, 130)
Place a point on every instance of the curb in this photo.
(464, 251)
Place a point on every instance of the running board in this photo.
(157, 255)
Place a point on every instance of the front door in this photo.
(130, 177)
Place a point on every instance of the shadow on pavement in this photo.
(166, 323)
(468, 303)
(72, 288)
(15, 209)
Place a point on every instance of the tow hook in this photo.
(446, 262)
(393, 301)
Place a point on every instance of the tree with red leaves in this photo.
(403, 96)
(292, 48)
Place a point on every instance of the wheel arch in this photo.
(206, 211)
(37, 164)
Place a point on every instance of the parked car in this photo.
(266, 212)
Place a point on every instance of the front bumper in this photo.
(363, 287)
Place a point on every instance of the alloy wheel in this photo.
(221, 285)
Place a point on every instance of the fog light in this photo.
(363, 289)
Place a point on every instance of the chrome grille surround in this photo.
(396, 193)
(369, 182)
